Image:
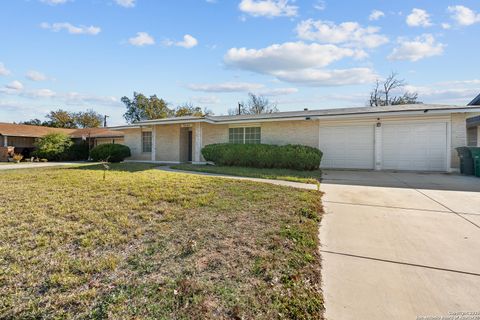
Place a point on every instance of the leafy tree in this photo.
(142, 108)
(61, 119)
(88, 119)
(53, 146)
(33, 122)
(382, 93)
(190, 110)
(256, 104)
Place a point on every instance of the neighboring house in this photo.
(98, 135)
(23, 137)
(473, 126)
(405, 137)
(475, 102)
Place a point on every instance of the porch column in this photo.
(154, 143)
(198, 142)
(5, 141)
(378, 146)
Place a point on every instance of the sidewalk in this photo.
(284, 183)
(30, 165)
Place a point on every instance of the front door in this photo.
(189, 146)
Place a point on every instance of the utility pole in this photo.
(105, 120)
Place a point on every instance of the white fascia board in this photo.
(392, 114)
(258, 120)
(125, 127)
(172, 121)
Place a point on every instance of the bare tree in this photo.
(256, 104)
(390, 84)
(382, 93)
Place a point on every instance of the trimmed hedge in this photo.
(263, 156)
(110, 152)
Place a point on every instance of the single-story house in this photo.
(22, 137)
(405, 137)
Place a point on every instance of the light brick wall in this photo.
(459, 136)
(214, 133)
(133, 140)
(304, 132)
(168, 142)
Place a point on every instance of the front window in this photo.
(247, 135)
(147, 141)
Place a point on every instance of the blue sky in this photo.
(87, 54)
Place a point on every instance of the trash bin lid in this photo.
(475, 151)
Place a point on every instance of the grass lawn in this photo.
(149, 244)
(311, 177)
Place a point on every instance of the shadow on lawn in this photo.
(121, 167)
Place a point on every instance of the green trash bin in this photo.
(467, 166)
(475, 151)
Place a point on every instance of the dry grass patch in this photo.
(147, 244)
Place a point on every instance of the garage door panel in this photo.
(418, 146)
(347, 146)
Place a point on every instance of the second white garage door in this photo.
(420, 146)
(347, 146)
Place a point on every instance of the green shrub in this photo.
(76, 152)
(263, 156)
(53, 146)
(110, 152)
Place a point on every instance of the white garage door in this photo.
(420, 146)
(347, 146)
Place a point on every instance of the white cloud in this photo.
(288, 56)
(464, 16)
(225, 87)
(126, 3)
(15, 85)
(188, 42)
(421, 47)
(76, 98)
(298, 62)
(350, 33)
(320, 5)
(206, 100)
(41, 93)
(375, 15)
(54, 2)
(142, 39)
(446, 26)
(274, 92)
(228, 87)
(3, 70)
(36, 76)
(59, 26)
(419, 18)
(268, 8)
(319, 77)
(450, 92)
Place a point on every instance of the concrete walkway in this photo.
(298, 185)
(399, 245)
(30, 165)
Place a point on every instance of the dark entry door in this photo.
(189, 145)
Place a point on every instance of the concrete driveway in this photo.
(400, 245)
